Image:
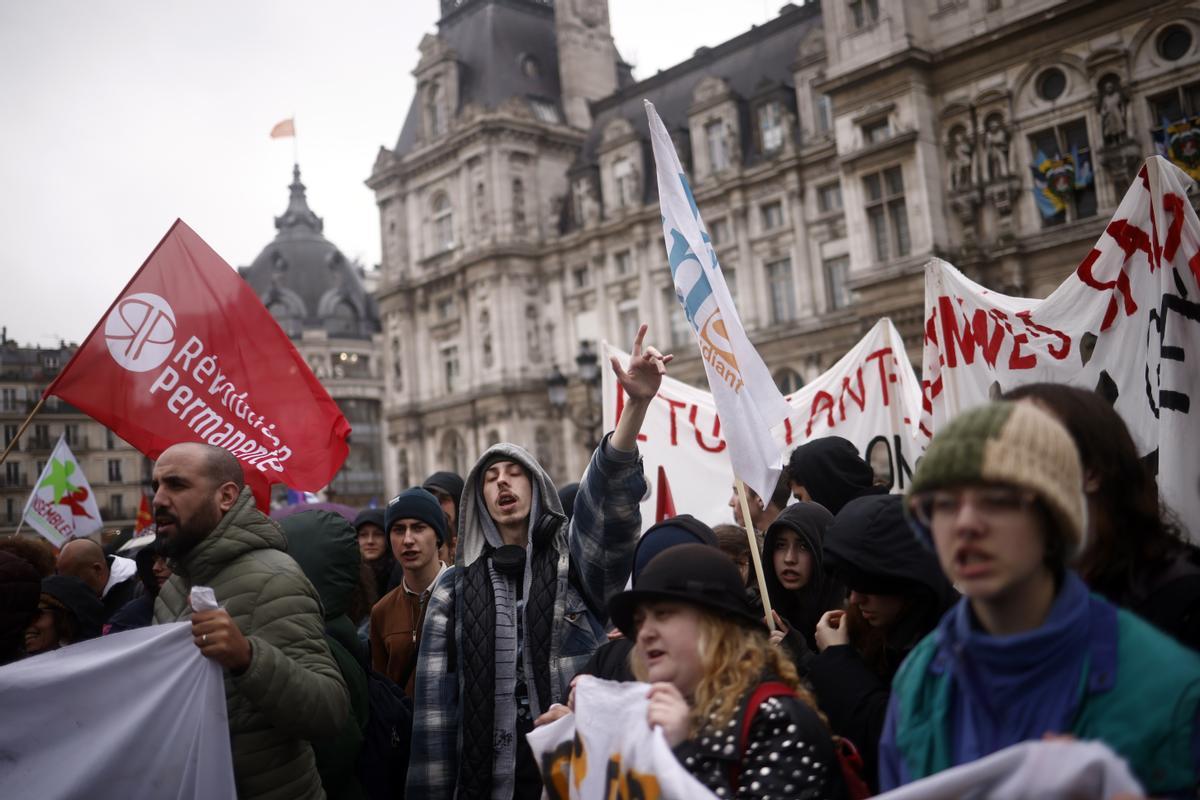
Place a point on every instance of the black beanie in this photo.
(449, 482)
(417, 503)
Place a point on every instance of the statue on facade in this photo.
(1112, 105)
(733, 145)
(587, 203)
(996, 141)
(533, 342)
(962, 158)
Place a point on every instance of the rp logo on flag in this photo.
(140, 331)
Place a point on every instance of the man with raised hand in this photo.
(526, 605)
(282, 686)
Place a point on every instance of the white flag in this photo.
(747, 400)
(62, 505)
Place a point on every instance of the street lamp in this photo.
(587, 365)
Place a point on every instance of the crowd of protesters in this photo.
(1029, 584)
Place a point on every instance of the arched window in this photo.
(518, 205)
(788, 380)
(433, 109)
(343, 320)
(454, 453)
(282, 313)
(443, 223)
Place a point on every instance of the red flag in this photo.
(188, 353)
(664, 504)
(144, 519)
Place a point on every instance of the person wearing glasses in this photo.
(1029, 653)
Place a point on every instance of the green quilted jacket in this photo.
(293, 690)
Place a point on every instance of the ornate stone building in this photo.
(319, 299)
(832, 151)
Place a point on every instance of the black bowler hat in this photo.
(698, 574)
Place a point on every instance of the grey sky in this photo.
(118, 117)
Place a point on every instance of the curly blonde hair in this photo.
(734, 659)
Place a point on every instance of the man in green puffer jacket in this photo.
(282, 686)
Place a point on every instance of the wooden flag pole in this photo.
(24, 425)
(754, 554)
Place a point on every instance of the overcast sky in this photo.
(118, 117)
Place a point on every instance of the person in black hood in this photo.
(831, 472)
(70, 612)
(797, 582)
(375, 548)
(20, 589)
(897, 595)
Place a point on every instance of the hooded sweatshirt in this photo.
(871, 549)
(592, 558)
(802, 608)
(832, 471)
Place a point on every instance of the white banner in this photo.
(742, 386)
(138, 715)
(1123, 324)
(62, 505)
(870, 396)
(606, 750)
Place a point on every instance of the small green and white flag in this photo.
(62, 506)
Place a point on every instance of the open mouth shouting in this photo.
(506, 502)
(971, 562)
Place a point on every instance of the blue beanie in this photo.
(683, 529)
(417, 503)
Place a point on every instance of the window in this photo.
(1180, 103)
(624, 263)
(114, 470)
(343, 320)
(628, 320)
(10, 433)
(10, 509)
(433, 106)
(770, 126)
(829, 198)
(454, 453)
(626, 184)
(110, 440)
(518, 205)
(731, 283)
(876, 132)
(544, 111)
(71, 432)
(445, 308)
(837, 271)
(887, 216)
(41, 436)
(116, 505)
(788, 380)
(1065, 190)
(779, 287)
(8, 399)
(12, 473)
(718, 147)
(824, 114)
(450, 369)
(718, 231)
(1174, 42)
(1051, 84)
(443, 223)
(580, 277)
(681, 331)
(772, 215)
(864, 13)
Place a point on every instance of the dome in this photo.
(306, 282)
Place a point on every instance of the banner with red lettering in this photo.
(1123, 324)
(870, 396)
(187, 352)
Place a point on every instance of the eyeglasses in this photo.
(990, 502)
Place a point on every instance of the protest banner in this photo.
(61, 506)
(606, 750)
(1123, 324)
(187, 352)
(870, 396)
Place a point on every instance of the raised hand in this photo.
(646, 368)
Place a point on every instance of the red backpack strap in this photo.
(761, 693)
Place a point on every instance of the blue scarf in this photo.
(1010, 689)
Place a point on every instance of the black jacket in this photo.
(871, 547)
(611, 661)
(802, 609)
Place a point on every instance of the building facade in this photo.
(832, 150)
(319, 299)
(118, 474)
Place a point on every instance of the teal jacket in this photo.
(1138, 692)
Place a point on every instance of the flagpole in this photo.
(295, 142)
(21, 430)
(754, 554)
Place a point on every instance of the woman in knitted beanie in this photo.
(730, 704)
(1028, 651)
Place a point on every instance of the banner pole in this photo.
(754, 554)
(21, 430)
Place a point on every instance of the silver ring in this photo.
(204, 639)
